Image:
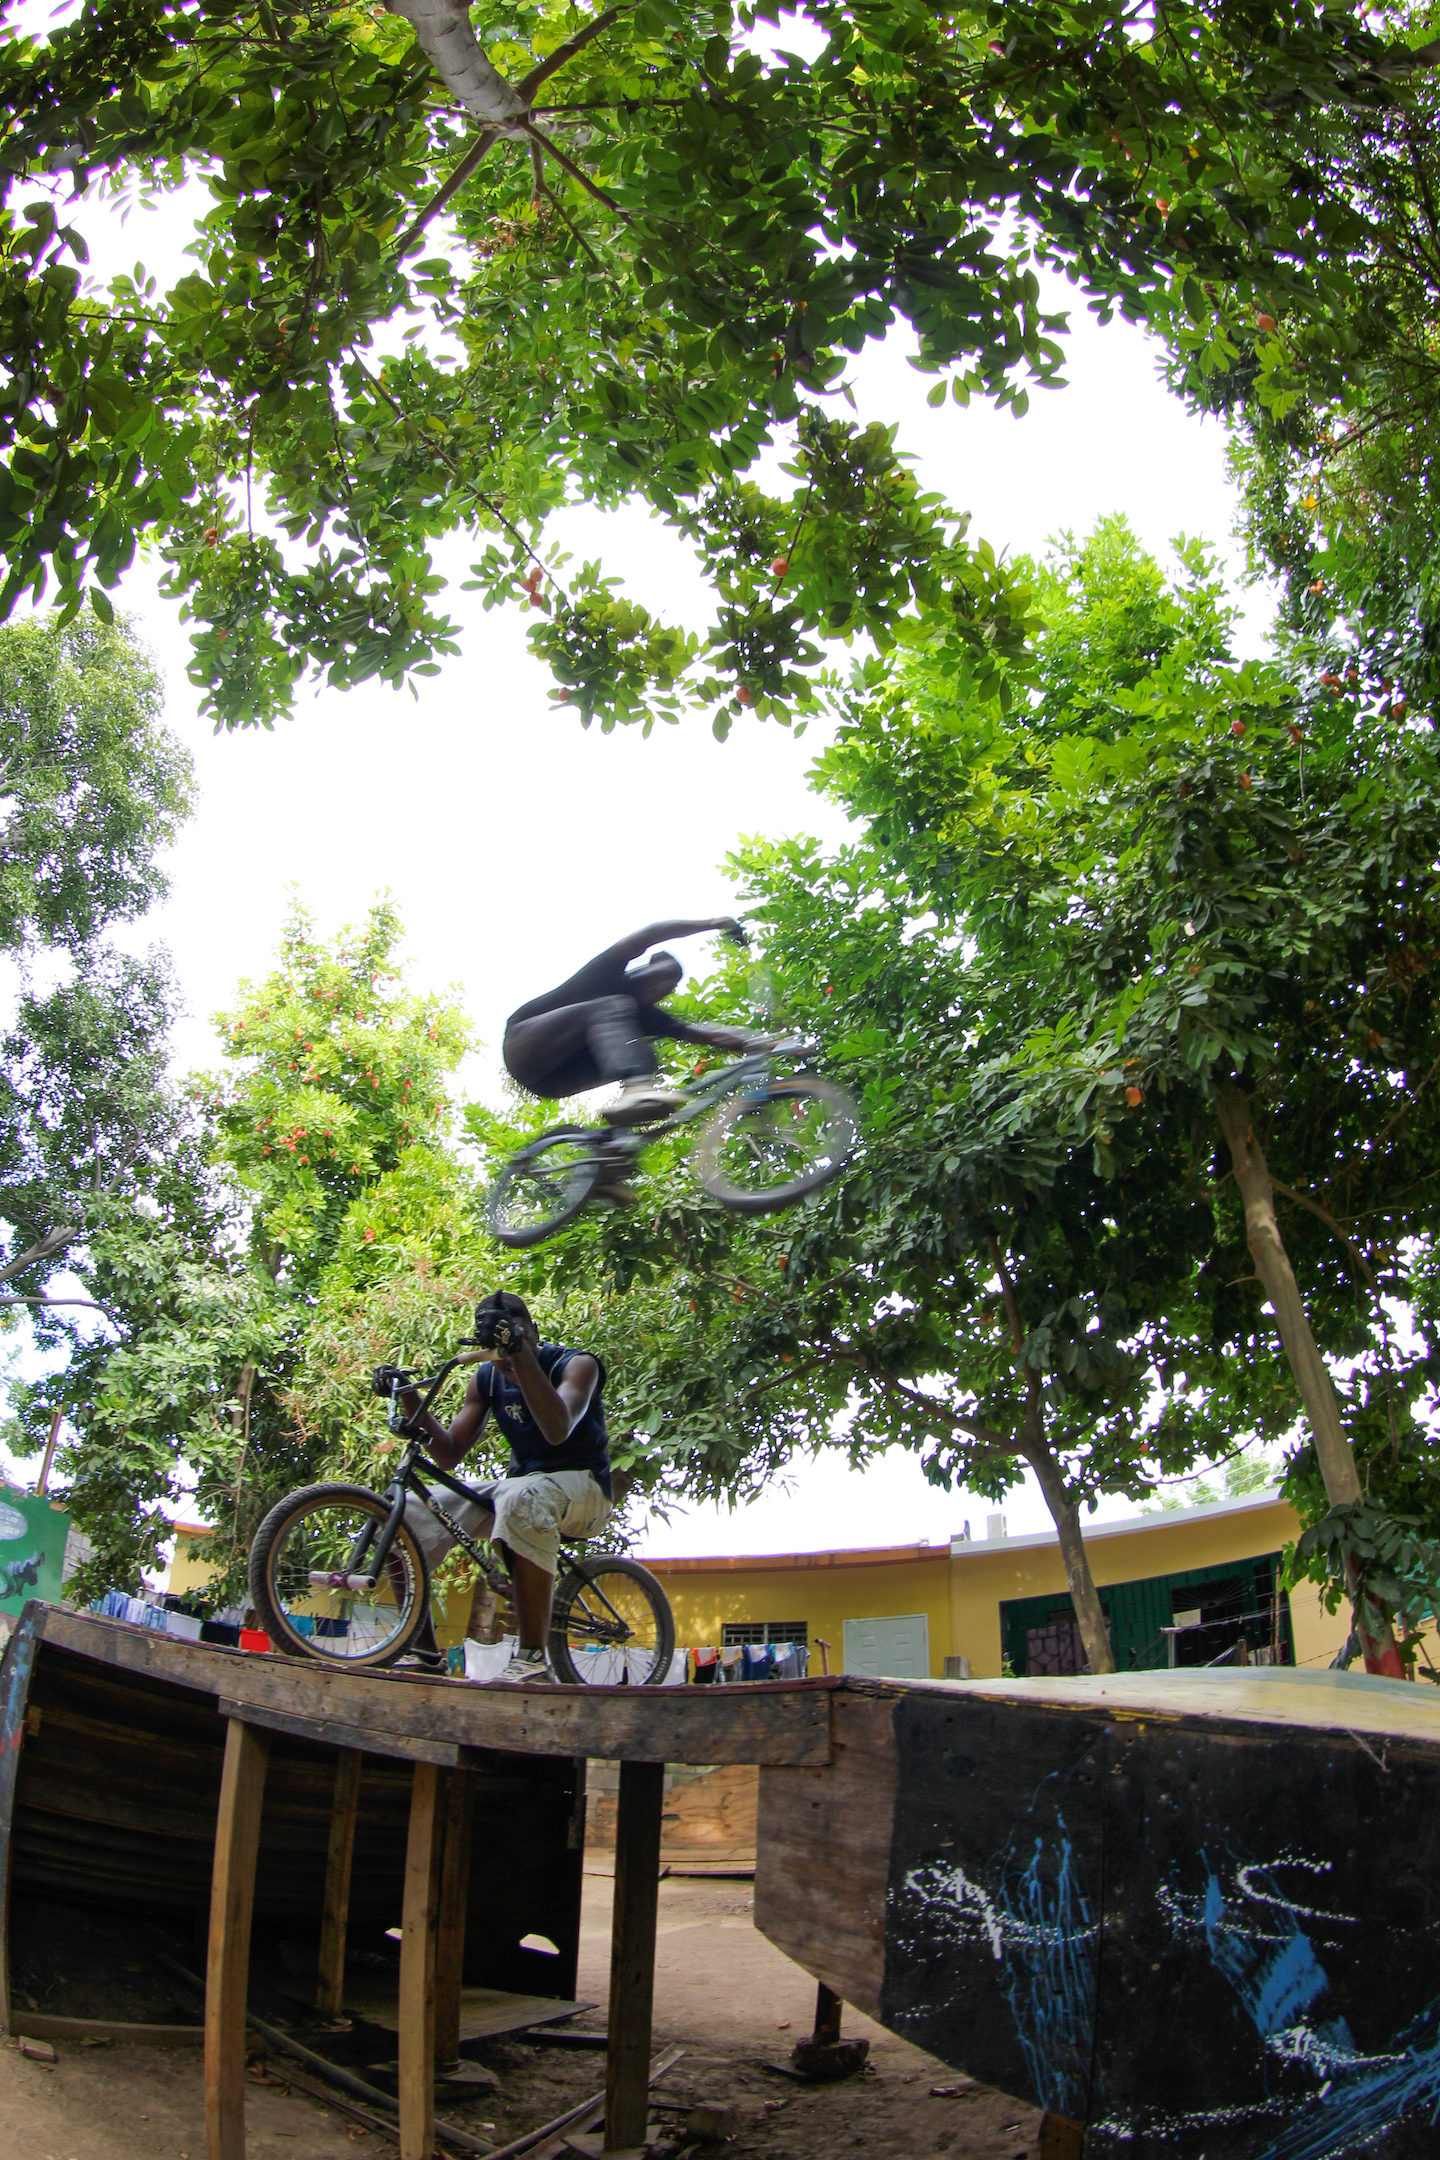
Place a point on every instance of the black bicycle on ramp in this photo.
(770, 1138)
(336, 1574)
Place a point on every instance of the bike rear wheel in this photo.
(308, 1579)
(611, 1625)
(543, 1187)
(769, 1146)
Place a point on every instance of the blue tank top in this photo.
(588, 1447)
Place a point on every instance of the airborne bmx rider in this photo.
(599, 1026)
(548, 1402)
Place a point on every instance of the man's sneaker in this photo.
(526, 1669)
(640, 1101)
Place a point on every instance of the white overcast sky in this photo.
(515, 844)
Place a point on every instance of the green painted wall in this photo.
(1137, 1611)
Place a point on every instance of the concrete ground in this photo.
(722, 1992)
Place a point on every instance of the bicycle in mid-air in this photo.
(771, 1137)
(336, 1573)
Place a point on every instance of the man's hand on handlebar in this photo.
(731, 927)
(393, 1384)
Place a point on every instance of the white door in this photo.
(896, 1648)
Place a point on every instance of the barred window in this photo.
(736, 1633)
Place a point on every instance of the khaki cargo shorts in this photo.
(530, 1515)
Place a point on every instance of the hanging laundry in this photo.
(759, 1662)
(707, 1667)
(732, 1665)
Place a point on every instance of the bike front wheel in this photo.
(770, 1145)
(310, 1570)
(612, 1625)
(543, 1188)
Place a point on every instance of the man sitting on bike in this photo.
(598, 1026)
(548, 1403)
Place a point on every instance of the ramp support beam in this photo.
(232, 1903)
(330, 1986)
(428, 1795)
(632, 1954)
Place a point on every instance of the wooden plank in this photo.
(227, 1972)
(417, 1963)
(354, 1739)
(330, 1985)
(454, 1897)
(823, 1862)
(17, 1667)
(632, 1953)
(829, 2009)
(36, 2026)
(767, 1722)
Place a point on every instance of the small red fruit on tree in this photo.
(1245, 780)
(1265, 323)
(781, 566)
(744, 696)
(1237, 728)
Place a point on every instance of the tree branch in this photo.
(568, 165)
(529, 84)
(53, 1241)
(1301, 1200)
(484, 141)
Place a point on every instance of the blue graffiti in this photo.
(1280, 1981)
(1375, 2095)
(1277, 1980)
(1050, 1978)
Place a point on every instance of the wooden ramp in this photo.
(1190, 1916)
(1195, 1915)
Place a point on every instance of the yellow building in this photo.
(1190, 1584)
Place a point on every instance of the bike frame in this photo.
(372, 1548)
(752, 1070)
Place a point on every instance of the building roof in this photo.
(859, 1556)
(958, 1548)
(1160, 1519)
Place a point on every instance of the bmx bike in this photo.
(336, 1573)
(770, 1139)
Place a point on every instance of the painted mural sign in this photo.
(1217, 1943)
(32, 1548)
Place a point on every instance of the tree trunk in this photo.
(1083, 1595)
(1333, 1451)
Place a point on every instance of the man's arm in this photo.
(656, 1020)
(556, 1410)
(660, 933)
(450, 1444)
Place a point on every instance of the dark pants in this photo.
(578, 1047)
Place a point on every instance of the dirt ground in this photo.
(722, 1993)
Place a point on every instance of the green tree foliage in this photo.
(210, 1264)
(1340, 417)
(92, 787)
(336, 1071)
(659, 247)
(1225, 885)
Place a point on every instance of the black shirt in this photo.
(604, 976)
(587, 1448)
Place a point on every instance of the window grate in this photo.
(735, 1634)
